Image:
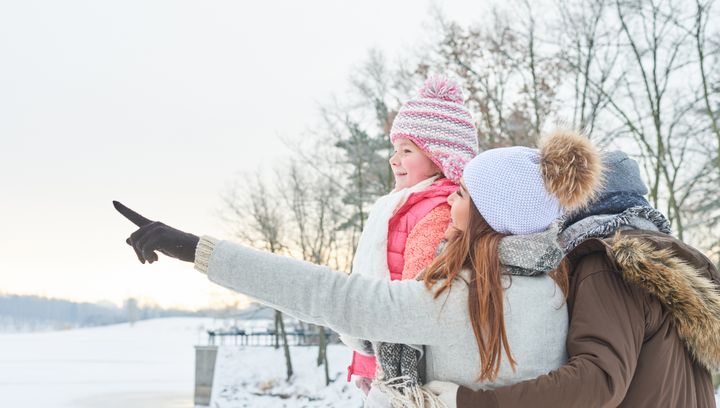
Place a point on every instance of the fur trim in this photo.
(692, 299)
(571, 168)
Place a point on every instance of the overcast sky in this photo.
(160, 104)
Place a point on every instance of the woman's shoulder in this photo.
(542, 283)
(529, 282)
(461, 281)
(536, 290)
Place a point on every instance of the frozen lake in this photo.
(150, 364)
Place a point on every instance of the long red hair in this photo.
(476, 249)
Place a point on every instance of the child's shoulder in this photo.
(443, 184)
(430, 198)
(441, 188)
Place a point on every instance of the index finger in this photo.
(131, 215)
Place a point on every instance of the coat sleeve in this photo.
(356, 305)
(604, 340)
(423, 240)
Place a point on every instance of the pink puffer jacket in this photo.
(410, 250)
(418, 206)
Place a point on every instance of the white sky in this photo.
(159, 104)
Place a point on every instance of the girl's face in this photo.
(459, 209)
(410, 165)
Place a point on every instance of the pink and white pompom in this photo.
(443, 88)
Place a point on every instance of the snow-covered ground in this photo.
(255, 377)
(152, 364)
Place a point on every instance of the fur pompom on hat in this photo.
(438, 122)
(519, 190)
(571, 168)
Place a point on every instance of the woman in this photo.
(502, 225)
(636, 293)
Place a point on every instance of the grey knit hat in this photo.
(622, 174)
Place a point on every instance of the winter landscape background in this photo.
(151, 364)
(267, 123)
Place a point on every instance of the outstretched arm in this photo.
(397, 312)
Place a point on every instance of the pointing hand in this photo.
(156, 236)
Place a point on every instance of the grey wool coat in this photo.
(400, 311)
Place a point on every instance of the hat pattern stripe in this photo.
(440, 106)
(436, 131)
(439, 117)
(443, 113)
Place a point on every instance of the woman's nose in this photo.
(451, 198)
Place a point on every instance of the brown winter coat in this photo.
(644, 330)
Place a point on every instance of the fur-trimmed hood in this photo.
(683, 279)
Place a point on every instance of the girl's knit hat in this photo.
(519, 190)
(439, 124)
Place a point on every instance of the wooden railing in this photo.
(269, 338)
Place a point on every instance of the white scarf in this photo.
(371, 254)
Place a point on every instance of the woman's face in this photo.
(459, 209)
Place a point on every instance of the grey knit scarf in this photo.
(603, 225)
(401, 364)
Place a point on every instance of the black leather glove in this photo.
(156, 236)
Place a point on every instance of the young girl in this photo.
(480, 326)
(433, 136)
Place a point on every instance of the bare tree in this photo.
(352, 146)
(655, 110)
(641, 67)
(709, 207)
(259, 219)
(637, 76)
(316, 213)
(510, 79)
(705, 50)
(588, 44)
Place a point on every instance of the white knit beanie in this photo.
(519, 190)
(440, 125)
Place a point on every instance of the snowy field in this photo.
(152, 364)
(255, 377)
